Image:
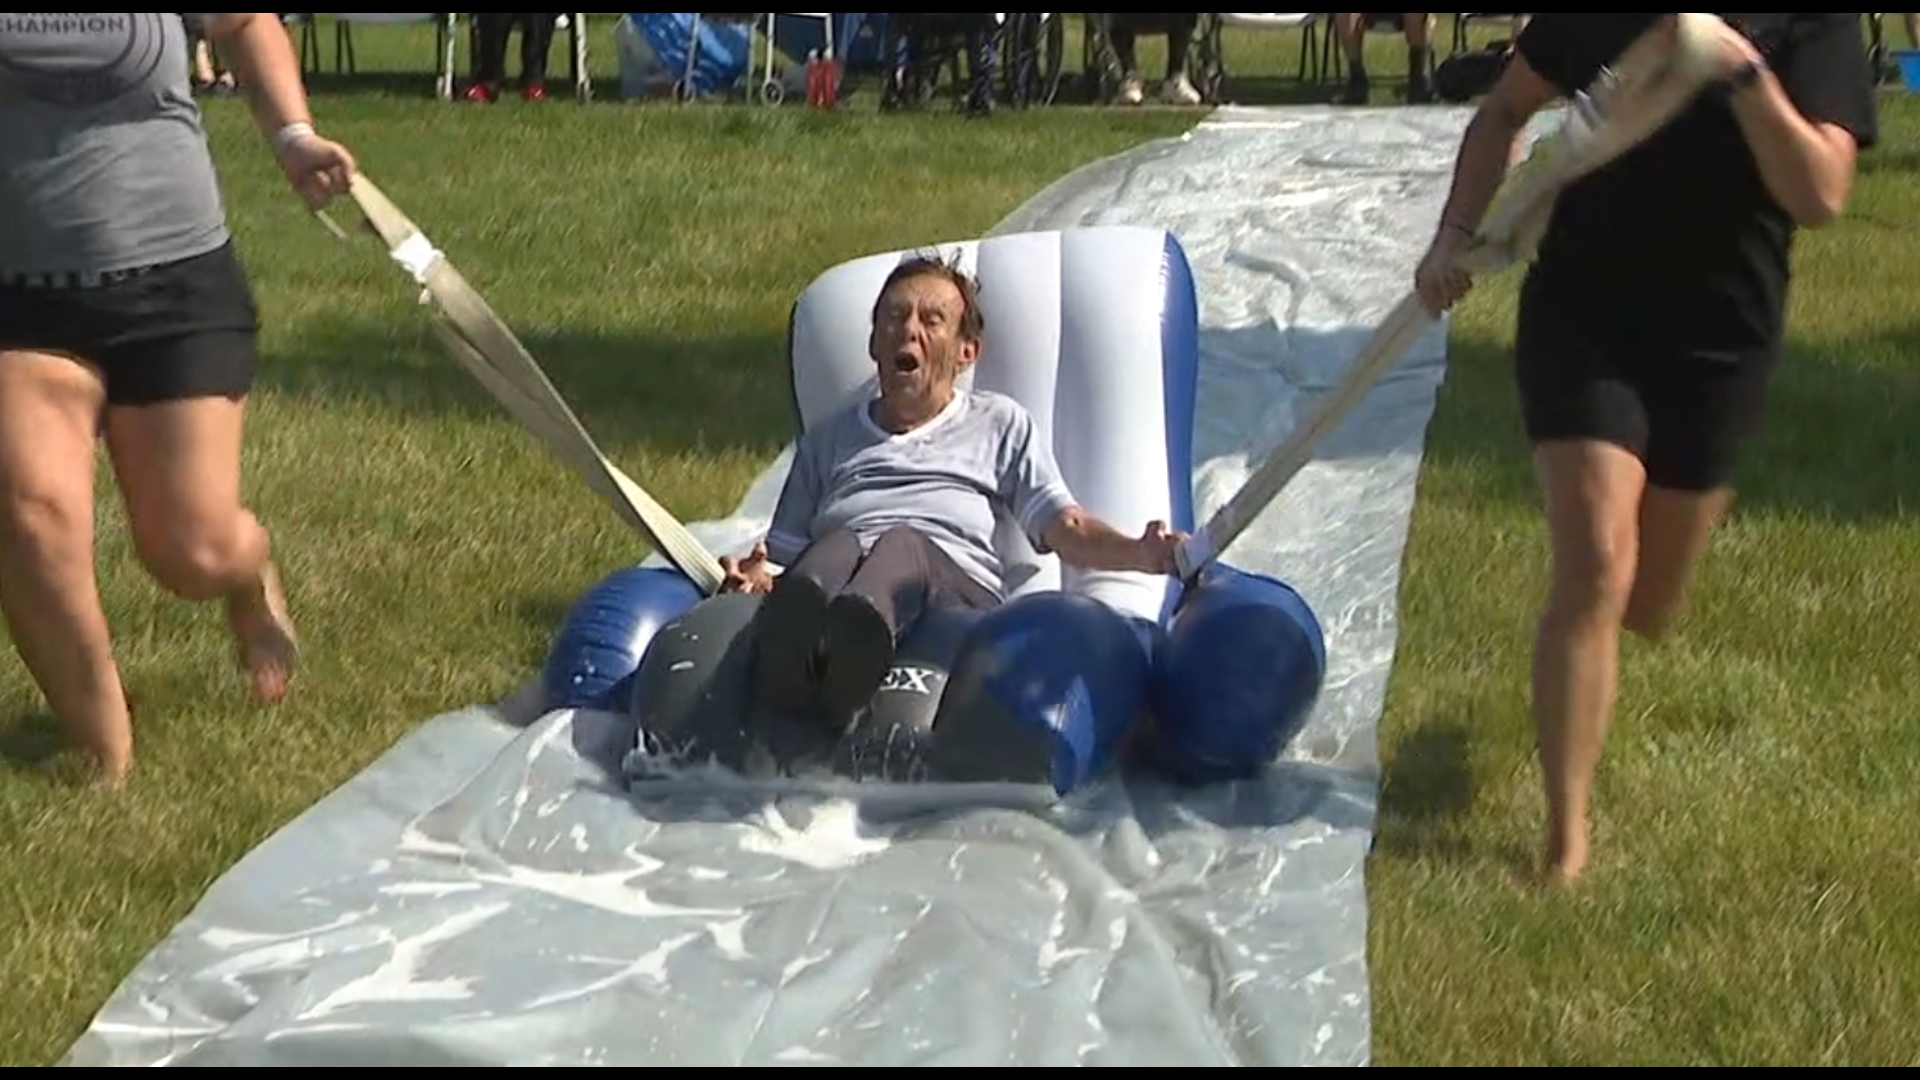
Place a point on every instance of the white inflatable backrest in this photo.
(1095, 331)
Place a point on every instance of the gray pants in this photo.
(824, 638)
(901, 576)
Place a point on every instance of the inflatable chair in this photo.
(1095, 331)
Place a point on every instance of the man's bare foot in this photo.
(263, 631)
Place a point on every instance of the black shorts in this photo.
(1586, 371)
(183, 330)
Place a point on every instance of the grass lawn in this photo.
(1751, 895)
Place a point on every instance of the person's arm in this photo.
(1030, 483)
(1085, 541)
(1054, 522)
(1806, 121)
(265, 65)
(791, 529)
(1539, 71)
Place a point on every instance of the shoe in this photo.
(858, 645)
(1132, 90)
(1419, 89)
(483, 93)
(786, 638)
(534, 91)
(1358, 88)
(1179, 90)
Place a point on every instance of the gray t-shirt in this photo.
(947, 478)
(103, 160)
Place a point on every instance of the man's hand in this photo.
(317, 168)
(1157, 548)
(748, 575)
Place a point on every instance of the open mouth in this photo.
(906, 363)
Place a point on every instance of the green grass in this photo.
(1751, 899)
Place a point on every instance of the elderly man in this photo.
(890, 509)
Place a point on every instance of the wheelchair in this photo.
(982, 59)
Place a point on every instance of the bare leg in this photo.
(1179, 88)
(1124, 41)
(1418, 27)
(49, 416)
(1351, 27)
(203, 73)
(1674, 529)
(1592, 493)
(179, 468)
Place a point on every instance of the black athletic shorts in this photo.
(1590, 371)
(173, 332)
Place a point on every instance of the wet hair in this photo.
(930, 264)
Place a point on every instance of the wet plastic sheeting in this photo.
(489, 894)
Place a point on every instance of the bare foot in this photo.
(1566, 860)
(111, 775)
(263, 630)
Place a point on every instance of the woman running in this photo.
(125, 314)
(1651, 324)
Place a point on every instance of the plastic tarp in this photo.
(490, 893)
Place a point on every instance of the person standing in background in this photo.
(491, 29)
(209, 76)
(1416, 26)
(1123, 32)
